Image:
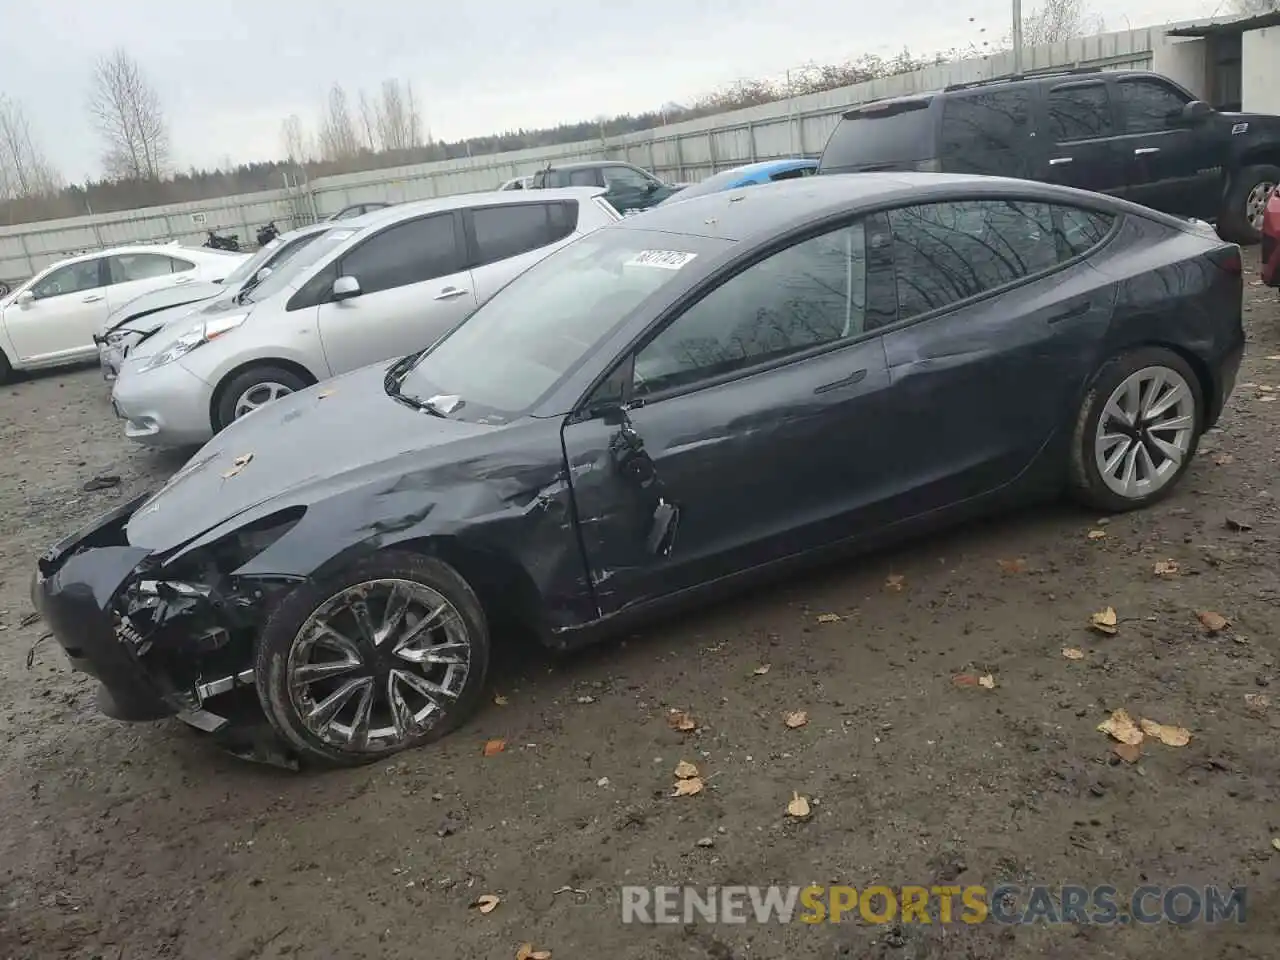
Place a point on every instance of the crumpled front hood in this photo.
(343, 432)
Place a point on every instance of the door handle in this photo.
(1059, 161)
(182, 280)
(92, 298)
(854, 378)
(1079, 310)
(1145, 151)
(448, 293)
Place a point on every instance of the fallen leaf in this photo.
(796, 718)
(1213, 622)
(689, 787)
(500, 700)
(1104, 621)
(1238, 525)
(1265, 388)
(685, 770)
(679, 720)
(895, 581)
(798, 807)
(1275, 842)
(1120, 726)
(1223, 459)
(1276, 357)
(1257, 702)
(1169, 736)
(486, 903)
(1013, 566)
(1097, 534)
(1268, 398)
(761, 670)
(237, 465)
(829, 618)
(1071, 653)
(987, 681)
(1128, 752)
(526, 952)
(1166, 568)
(493, 747)
(964, 680)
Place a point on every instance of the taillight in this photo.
(1228, 260)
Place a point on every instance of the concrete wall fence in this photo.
(687, 151)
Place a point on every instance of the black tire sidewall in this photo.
(6, 368)
(1236, 226)
(224, 413)
(288, 616)
(1086, 480)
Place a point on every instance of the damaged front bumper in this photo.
(160, 647)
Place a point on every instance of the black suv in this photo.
(1137, 135)
(628, 189)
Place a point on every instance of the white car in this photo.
(385, 285)
(50, 320)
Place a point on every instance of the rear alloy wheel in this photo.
(1137, 430)
(389, 655)
(252, 389)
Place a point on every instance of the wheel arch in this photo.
(293, 366)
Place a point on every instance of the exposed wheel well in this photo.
(1262, 155)
(221, 389)
(506, 591)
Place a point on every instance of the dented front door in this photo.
(688, 489)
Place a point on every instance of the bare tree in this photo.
(126, 108)
(1254, 8)
(295, 139)
(1057, 20)
(399, 126)
(337, 135)
(368, 123)
(24, 170)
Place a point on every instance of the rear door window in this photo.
(1079, 112)
(987, 132)
(897, 132)
(508, 231)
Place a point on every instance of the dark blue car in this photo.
(766, 171)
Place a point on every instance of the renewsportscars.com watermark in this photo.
(1004, 904)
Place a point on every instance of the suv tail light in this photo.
(1228, 260)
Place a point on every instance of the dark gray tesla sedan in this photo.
(705, 393)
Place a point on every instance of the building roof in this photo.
(1227, 28)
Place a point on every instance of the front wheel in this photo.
(1136, 431)
(1246, 202)
(252, 389)
(389, 654)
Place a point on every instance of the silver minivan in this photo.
(386, 285)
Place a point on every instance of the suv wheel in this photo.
(1247, 198)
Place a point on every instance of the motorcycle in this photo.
(218, 242)
(268, 233)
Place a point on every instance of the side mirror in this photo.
(344, 288)
(652, 186)
(1196, 111)
(262, 275)
(24, 298)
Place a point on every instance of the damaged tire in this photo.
(388, 654)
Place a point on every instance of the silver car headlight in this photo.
(209, 330)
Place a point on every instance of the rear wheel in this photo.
(252, 389)
(1251, 188)
(388, 654)
(1136, 430)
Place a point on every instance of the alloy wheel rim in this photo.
(378, 664)
(1256, 205)
(259, 395)
(1145, 432)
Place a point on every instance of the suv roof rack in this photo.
(1039, 75)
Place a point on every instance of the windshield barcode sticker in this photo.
(663, 259)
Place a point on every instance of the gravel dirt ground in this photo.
(145, 841)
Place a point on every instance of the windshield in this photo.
(251, 266)
(309, 253)
(898, 132)
(518, 345)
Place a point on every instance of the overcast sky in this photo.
(229, 71)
